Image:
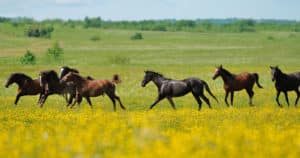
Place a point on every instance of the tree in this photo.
(55, 54)
(28, 58)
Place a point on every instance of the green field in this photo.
(241, 130)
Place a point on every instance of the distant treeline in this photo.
(200, 25)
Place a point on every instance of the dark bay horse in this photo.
(284, 83)
(237, 82)
(26, 85)
(92, 88)
(168, 88)
(50, 83)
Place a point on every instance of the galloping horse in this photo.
(233, 82)
(92, 88)
(49, 81)
(284, 83)
(168, 88)
(26, 85)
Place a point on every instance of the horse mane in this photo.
(20, 75)
(70, 69)
(51, 74)
(154, 73)
(65, 70)
(227, 72)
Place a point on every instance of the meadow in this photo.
(242, 131)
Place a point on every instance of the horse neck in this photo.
(226, 76)
(20, 82)
(80, 80)
(281, 76)
(158, 81)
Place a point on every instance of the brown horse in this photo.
(233, 82)
(93, 88)
(26, 85)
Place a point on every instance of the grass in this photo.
(55, 131)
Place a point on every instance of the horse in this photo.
(26, 85)
(169, 88)
(284, 83)
(237, 82)
(92, 88)
(49, 81)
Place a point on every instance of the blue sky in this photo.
(151, 9)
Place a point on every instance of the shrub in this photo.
(270, 38)
(28, 58)
(92, 22)
(120, 60)
(95, 38)
(36, 31)
(55, 54)
(137, 36)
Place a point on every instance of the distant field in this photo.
(55, 131)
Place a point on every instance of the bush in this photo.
(270, 38)
(95, 38)
(55, 54)
(92, 22)
(28, 58)
(36, 31)
(137, 36)
(120, 60)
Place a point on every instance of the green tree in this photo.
(55, 53)
(28, 58)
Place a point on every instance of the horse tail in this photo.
(208, 90)
(116, 79)
(256, 80)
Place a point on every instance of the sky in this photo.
(151, 9)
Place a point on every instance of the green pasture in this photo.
(175, 54)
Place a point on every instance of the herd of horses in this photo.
(70, 84)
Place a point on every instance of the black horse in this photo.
(284, 83)
(168, 88)
(50, 83)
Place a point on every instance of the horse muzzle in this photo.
(273, 79)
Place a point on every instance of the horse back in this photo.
(241, 81)
(95, 88)
(32, 87)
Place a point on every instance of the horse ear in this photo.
(221, 66)
(271, 67)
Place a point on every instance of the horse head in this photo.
(18, 78)
(275, 72)
(65, 70)
(218, 72)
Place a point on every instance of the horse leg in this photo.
(231, 98)
(17, 98)
(77, 99)
(40, 98)
(88, 100)
(112, 98)
(206, 100)
(119, 100)
(158, 99)
(70, 101)
(198, 101)
(226, 96)
(298, 95)
(277, 98)
(251, 94)
(171, 102)
(43, 100)
(286, 97)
